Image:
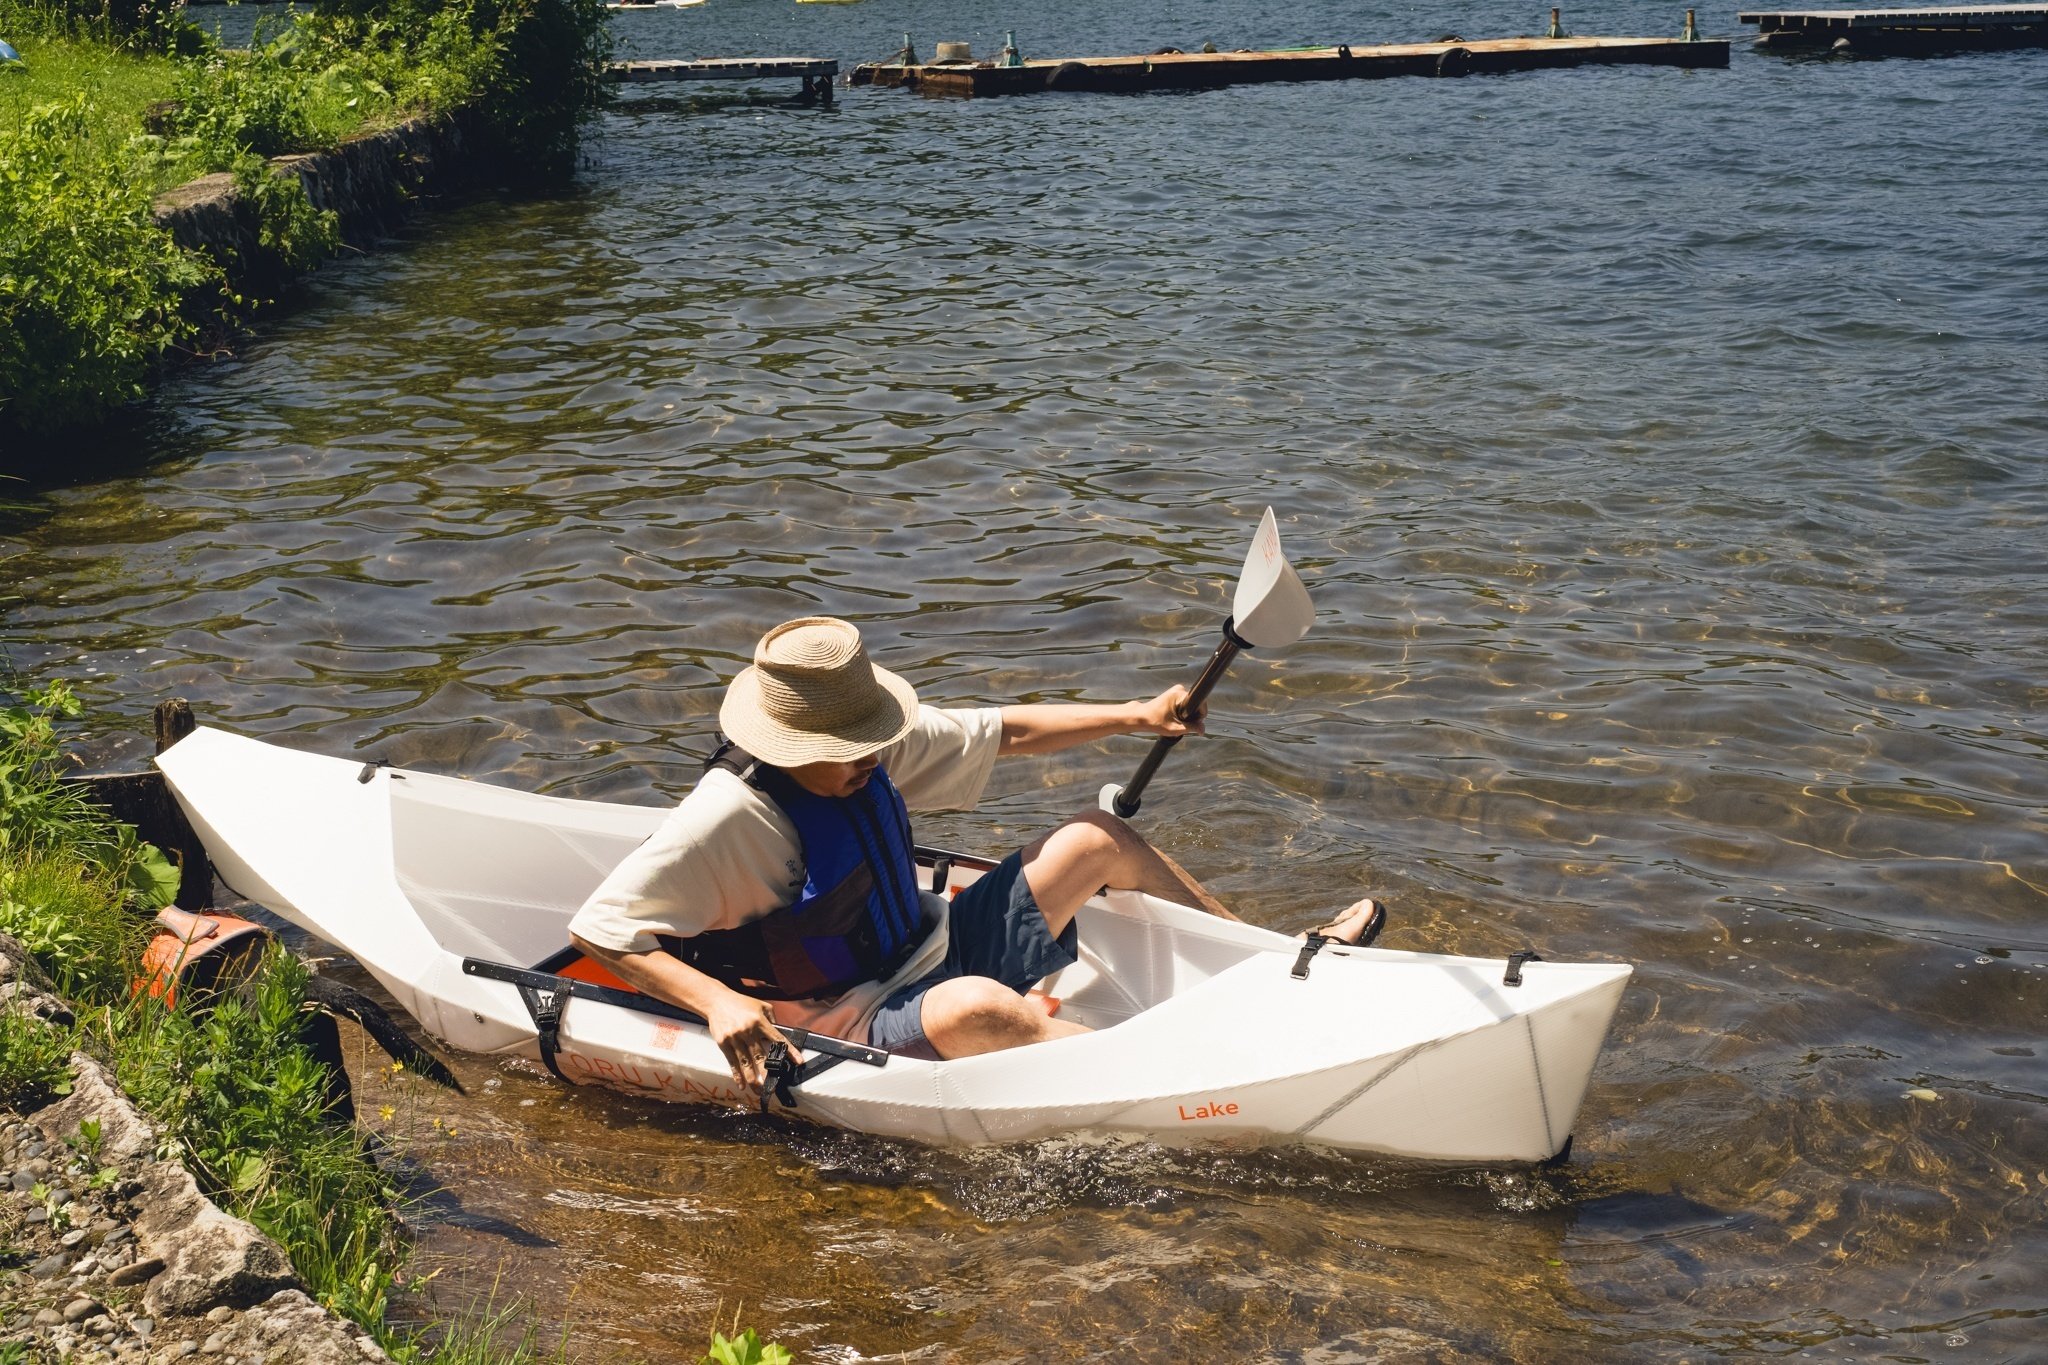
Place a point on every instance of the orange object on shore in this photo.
(184, 942)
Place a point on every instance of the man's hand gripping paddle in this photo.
(1271, 609)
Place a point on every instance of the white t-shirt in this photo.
(727, 854)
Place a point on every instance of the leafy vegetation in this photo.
(231, 1084)
(116, 101)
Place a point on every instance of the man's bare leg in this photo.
(1096, 849)
(974, 1014)
(970, 1015)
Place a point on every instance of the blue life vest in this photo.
(858, 917)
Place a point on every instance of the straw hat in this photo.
(811, 696)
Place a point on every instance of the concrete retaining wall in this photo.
(372, 183)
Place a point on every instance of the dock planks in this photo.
(722, 69)
(1930, 29)
(1207, 70)
(816, 73)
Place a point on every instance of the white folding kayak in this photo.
(457, 895)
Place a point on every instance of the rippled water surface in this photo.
(1665, 452)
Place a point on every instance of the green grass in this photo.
(232, 1086)
(120, 85)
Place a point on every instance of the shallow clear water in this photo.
(1665, 452)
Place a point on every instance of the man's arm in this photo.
(743, 1027)
(1049, 729)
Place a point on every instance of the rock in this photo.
(142, 1327)
(22, 1181)
(210, 1258)
(61, 1196)
(118, 1236)
(213, 1344)
(48, 1317)
(75, 1237)
(36, 1215)
(180, 1349)
(50, 1267)
(138, 1272)
(87, 1267)
(124, 1135)
(79, 1309)
(219, 1315)
(100, 1326)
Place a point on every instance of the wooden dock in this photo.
(1902, 30)
(816, 73)
(1172, 70)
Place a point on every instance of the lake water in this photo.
(1666, 453)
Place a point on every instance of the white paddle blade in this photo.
(1271, 607)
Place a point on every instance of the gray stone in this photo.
(74, 1238)
(48, 1317)
(142, 1327)
(61, 1196)
(219, 1315)
(36, 1215)
(80, 1309)
(22, 1181)
(50, 1267)
(118, 1236)
(182, 1348)
(100, 1326)
(124, 1135)
(215, 1344)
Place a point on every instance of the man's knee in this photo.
(1099, 834)
(975, 1010)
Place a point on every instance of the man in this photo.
(781, 888)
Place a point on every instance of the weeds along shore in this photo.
(122, 1114)
(227, 1087)
(107, 108)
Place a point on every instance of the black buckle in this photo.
(780, 1073)
(1514, 972)
(546, 1008)
(1310, 946)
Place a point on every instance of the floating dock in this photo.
(816, 73)
(1173, 70)
(1902, 30)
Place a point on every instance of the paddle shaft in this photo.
(1132, 796)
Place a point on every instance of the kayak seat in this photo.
(572, 963)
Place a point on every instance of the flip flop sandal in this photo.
(1314, 940)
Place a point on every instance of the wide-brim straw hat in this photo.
(811, 696)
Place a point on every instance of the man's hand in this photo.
(744, 1029)
(1161, 715)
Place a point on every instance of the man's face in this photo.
(835, 779)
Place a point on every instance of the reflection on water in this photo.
(1664, 453)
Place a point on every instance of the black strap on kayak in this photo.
(942, 868)
(544, 1003)
(1514, 972)
(1310, 946)
(564, 987)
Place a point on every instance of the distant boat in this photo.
(653, 4)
